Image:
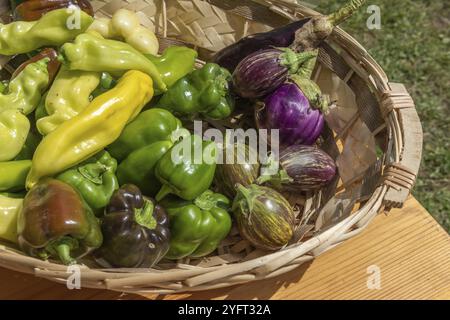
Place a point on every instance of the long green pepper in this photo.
(91, 52)
(19, 99)
(52, 29)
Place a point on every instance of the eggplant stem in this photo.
(345, 12)
(246, 195)
(319, 27)
(263, 178)
(296, 62)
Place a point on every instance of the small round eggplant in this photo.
(263, 71)
(228, 175)
(135, 230)
(302, 168)
(264, 217)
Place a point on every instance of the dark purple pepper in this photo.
(135, 231)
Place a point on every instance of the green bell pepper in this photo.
(91, 52)
(187, 169)
(13, 175)
(139, 167)
(205, 91)
(197, 227)
(148, 127)
(52, 29)
(174, 63)
(95, 180)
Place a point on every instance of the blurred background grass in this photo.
(413, 47)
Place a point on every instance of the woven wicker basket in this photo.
(373, 132)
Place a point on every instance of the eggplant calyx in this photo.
(312, 92)
(144, 216)
(278, 179)
(294, 61)
(244, 199)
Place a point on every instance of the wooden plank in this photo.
(410, 248)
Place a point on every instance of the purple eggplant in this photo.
(289, 110)
(302, 35)
(230, 56)
(301, 168)
(263, 71)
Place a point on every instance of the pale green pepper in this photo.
(67, 97)
(91, 52)
(52, 29)
(24, 91)
(9, 211)
(14, 128)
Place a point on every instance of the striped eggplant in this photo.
(264, 217)
(301, 168)
(238, 169)
(263, 71)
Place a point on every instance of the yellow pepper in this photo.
(97, 126)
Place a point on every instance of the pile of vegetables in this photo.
(90, 124)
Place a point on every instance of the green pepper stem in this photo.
(205, 201)
(164, 191)
(144, 216)
(63, 251)
(345, 12)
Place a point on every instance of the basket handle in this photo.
(400, 175)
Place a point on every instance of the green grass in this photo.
(413, 47)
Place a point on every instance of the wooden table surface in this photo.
(407, 246)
